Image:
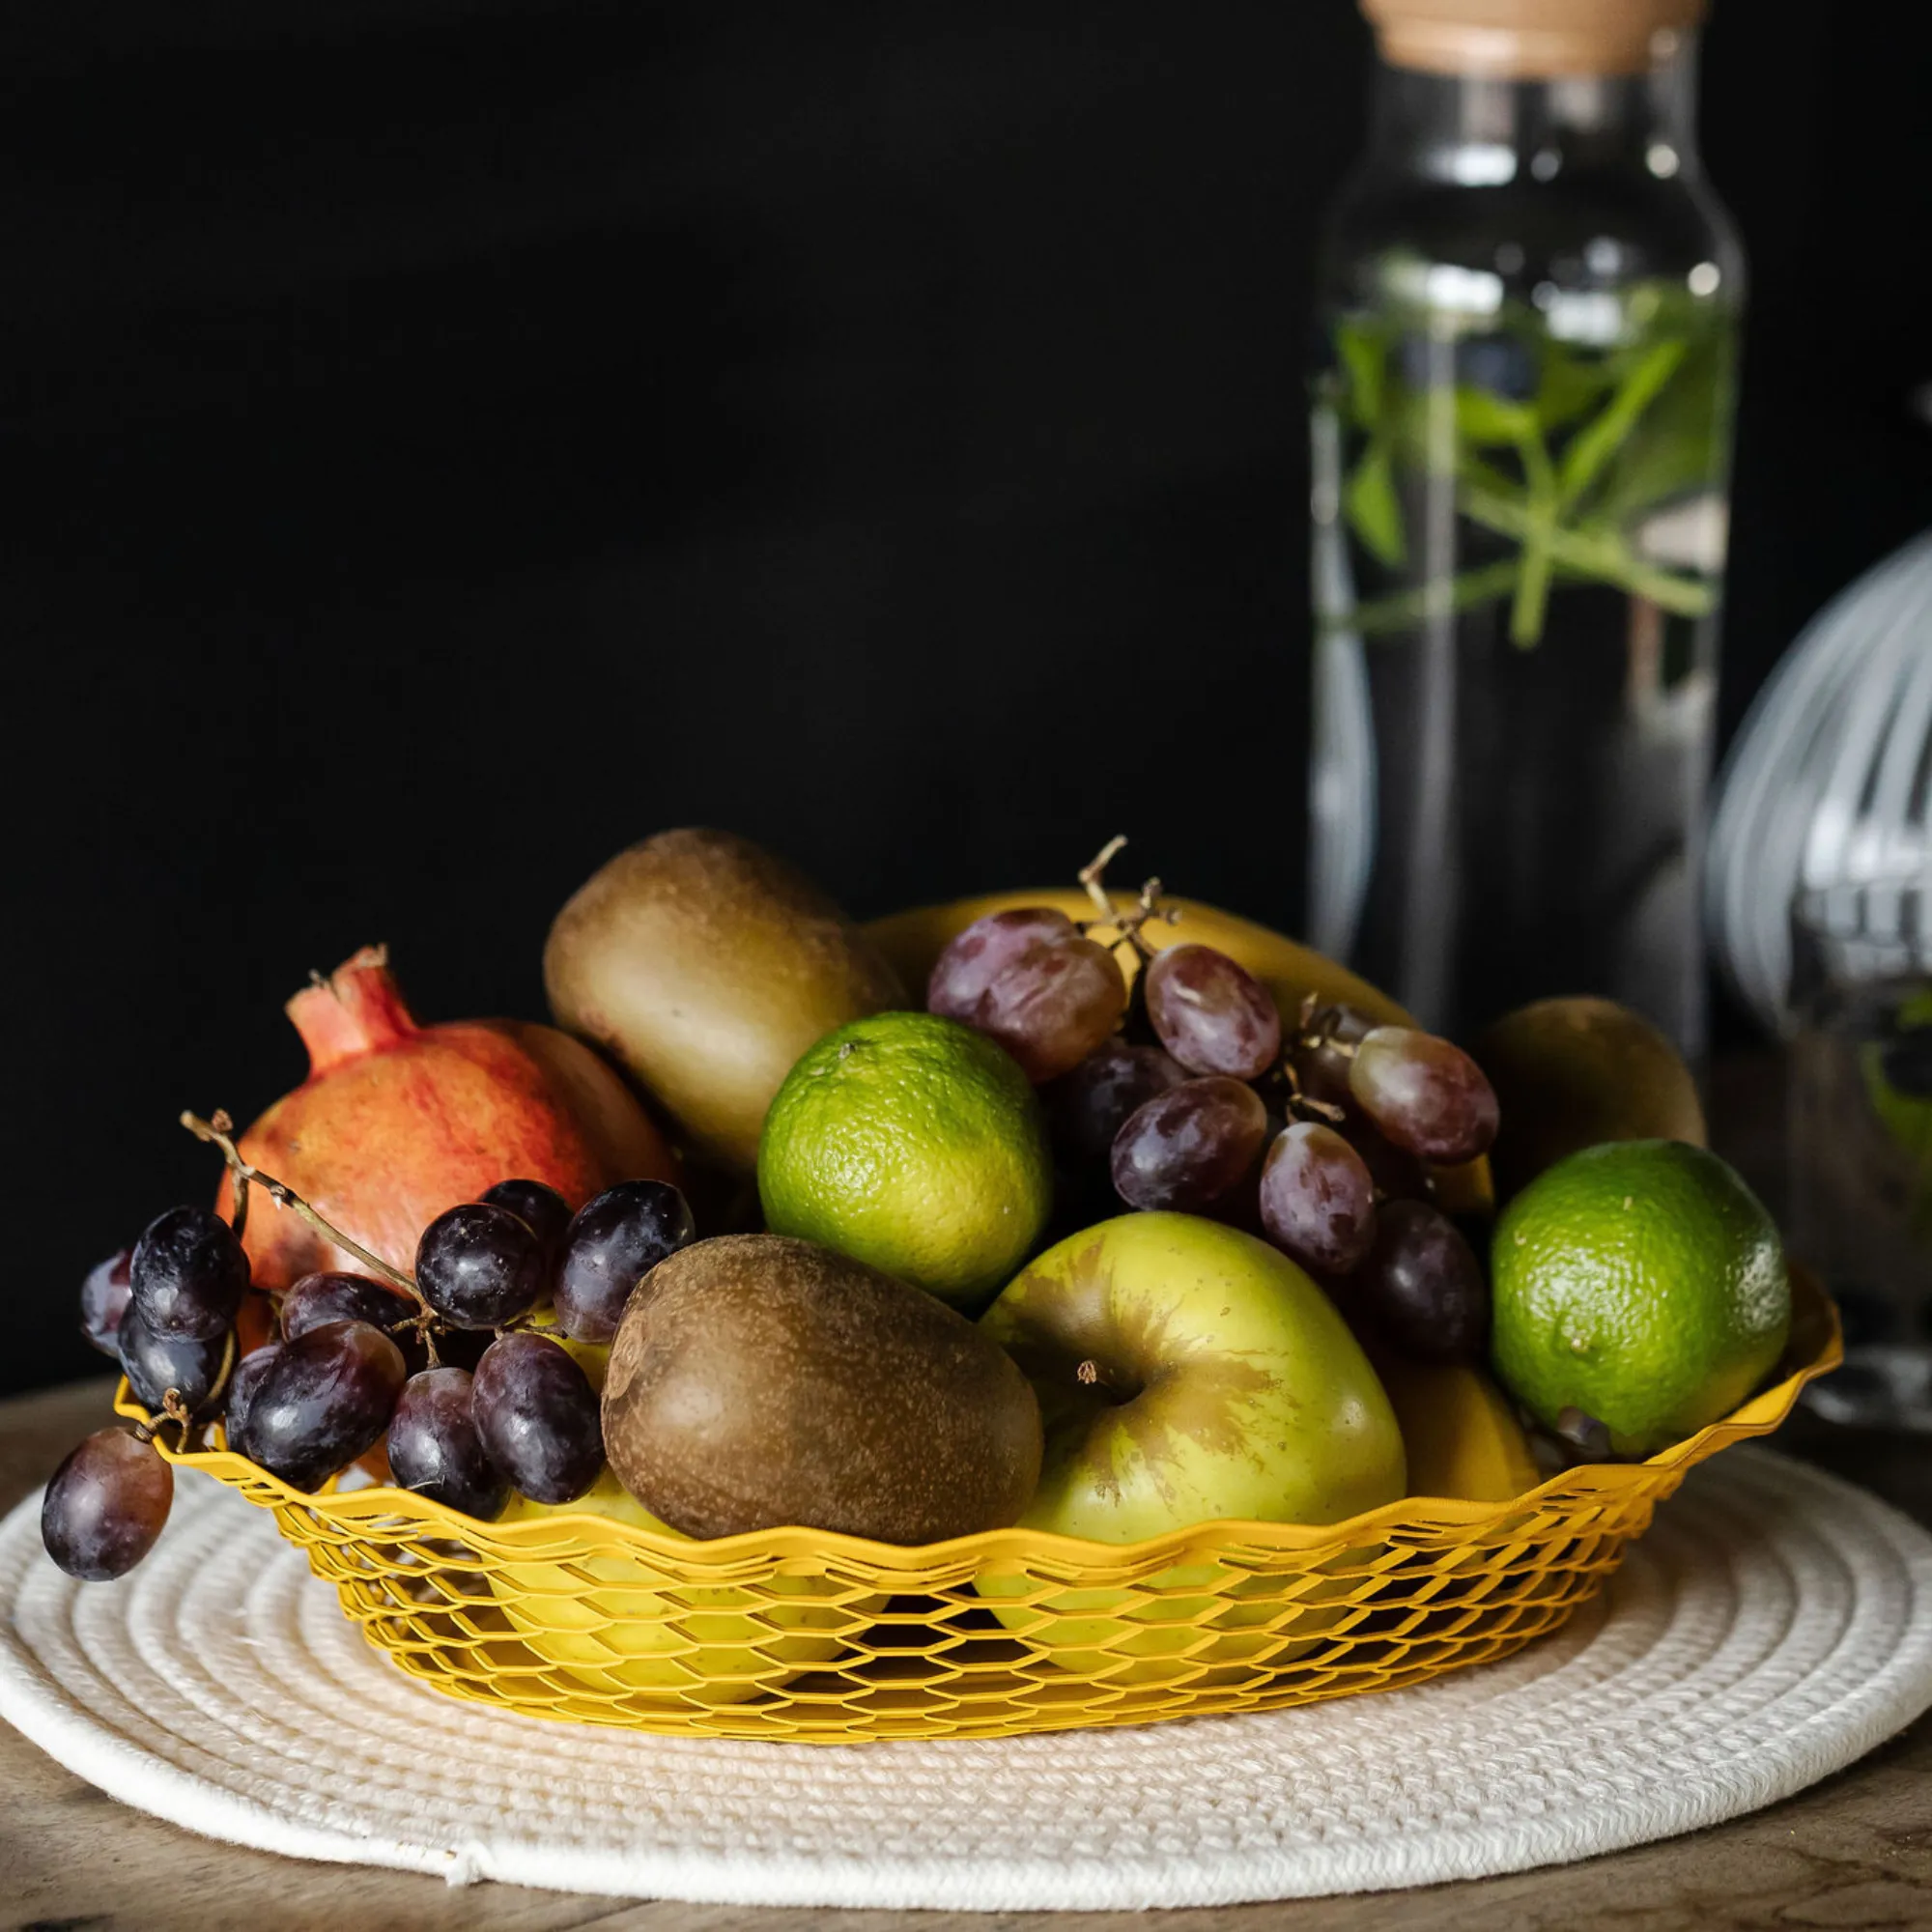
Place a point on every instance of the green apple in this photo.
(1186, 1373)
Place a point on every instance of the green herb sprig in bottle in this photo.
(1521, 437)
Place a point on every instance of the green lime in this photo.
(913, 1143)
(1642, 1283)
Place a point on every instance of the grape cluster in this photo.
(1186, 1093)
(468, 1407)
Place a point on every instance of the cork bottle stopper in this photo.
(1530, 39)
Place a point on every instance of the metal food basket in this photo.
(802, 1636)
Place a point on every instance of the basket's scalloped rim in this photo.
(1816, 1348)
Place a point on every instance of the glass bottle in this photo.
(1528, 314)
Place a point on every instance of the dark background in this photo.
(447, 441)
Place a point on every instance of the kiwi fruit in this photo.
(758, 1380)
(1574, 1073)
(704, 967)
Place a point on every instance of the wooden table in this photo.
(1856, 1851)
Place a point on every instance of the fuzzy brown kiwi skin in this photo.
(758, 1380)
(704, 967)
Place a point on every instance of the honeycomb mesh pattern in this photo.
(798, 1634)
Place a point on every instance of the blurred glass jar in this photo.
(1529, 305)
(1859, 1144)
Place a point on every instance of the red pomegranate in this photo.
(397, 1121)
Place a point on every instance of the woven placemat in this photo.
(1774, 1624)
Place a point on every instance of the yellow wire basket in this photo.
(803, 1636)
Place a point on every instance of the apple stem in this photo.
(285, 1196)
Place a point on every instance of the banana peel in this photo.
(1459, 1431)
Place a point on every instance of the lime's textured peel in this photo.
(1642, 1283)
(916, 1145)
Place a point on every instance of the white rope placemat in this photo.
(1773, 1626)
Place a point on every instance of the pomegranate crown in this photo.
(358, 1009)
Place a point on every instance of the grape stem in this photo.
(285, 1196)
(222, 1121)
(1302, 1104)
(176, 1410)
(1095, 871)
(1092, 877)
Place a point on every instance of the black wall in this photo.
(447, 441)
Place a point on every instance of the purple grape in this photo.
(104, 1300)
(435, 1449)
(155, 1364)
(326, 1396)
(243, 1386)
(105, 1506)
(318, 1299)
(974, 958)
(1030, 979)
(1212, 1014)
(538, 1417)
(188, 1275)
(1422, 1286)
(479, 1265)
(1321, 1053)
(1189, 1146)
(1318, 1199)
(1088, 1106)
(1427, 1095)
(535, 1202)
(615, 1242)
(1398, 1176)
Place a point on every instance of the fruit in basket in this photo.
(1639, 1288)
(153, 1365)
(1460, 1432)
(437, 1451)
(638, 1630)
(1086, 1108)
(534, 1202)
(479, 1265)
(335, 1296)
(611, 1244)
(104, 1300)
(188, 1275)
(238, 1399)
(912, 942)
(767, 1380)
(1424, 1094)
(1318, 1198)
(1420, 1285)
(324, 1399)
(1185, 1372)
(1033, 981)
(1190, 1145)
(106, 1504)
(1210, 1012)
(538, 1415)
(398, 1121)
(1320, 1013)
(913, 1144)
(705, 966)
(1571, 1074)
